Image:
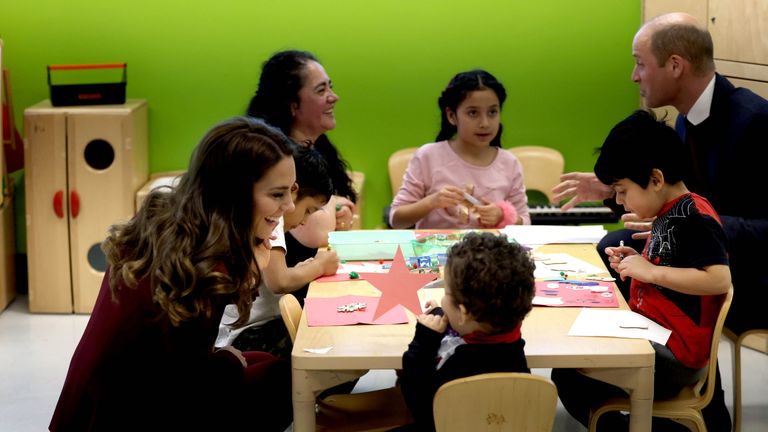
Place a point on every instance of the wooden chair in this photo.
(542, 167)
(686, 407)
(756, 339)
(397, 164)
(496, 402)
(377, 410)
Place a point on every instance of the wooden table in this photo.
(627, 363)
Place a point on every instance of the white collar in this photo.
(700, 110)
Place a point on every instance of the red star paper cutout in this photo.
(399, 286)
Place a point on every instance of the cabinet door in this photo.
(45, 163)
(97, 144)
(740, 30)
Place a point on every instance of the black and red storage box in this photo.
(88, 94)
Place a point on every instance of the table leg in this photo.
(638, 382)
(306, 385)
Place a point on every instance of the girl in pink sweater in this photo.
(465, 179)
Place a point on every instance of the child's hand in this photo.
(489, 214)
(617, 253)
(429, 305)
(448, 196)
(635, 267)
(329, 261)
(438, 323)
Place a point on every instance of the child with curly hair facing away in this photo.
(489, 287)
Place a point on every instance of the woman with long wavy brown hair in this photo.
(147, 359)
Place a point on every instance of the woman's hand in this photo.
(236, 352)
(345, 213)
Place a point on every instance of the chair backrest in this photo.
(496, 401)
(397, 164)
(542, 167)
(290, 311)
(710, 375)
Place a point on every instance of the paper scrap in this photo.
(318, 350)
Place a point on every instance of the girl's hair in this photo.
(458, 89)
(282, 76)
(196, 241)
(311, 174)
(492, 278)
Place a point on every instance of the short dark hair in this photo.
(492, 278)
(455, 93)
(637, 145)
(688, 41)
(311, 174)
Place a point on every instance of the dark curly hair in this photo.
(492, 278)
(196, 241)
(455, 93)
(282, 76)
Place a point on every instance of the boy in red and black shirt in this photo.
(680, 278)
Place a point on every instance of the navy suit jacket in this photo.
(729, 151)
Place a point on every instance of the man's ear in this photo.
(677, 65)
(294, 107)
(657, 179)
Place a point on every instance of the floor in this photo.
(35, 350)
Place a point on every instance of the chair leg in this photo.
(737, 383)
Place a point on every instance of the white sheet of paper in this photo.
(562, 262)
(543, 234)
(362, 268)
(547, 301)
(618, 323)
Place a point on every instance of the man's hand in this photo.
(580, 187)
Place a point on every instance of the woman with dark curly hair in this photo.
(296, 95)
(146, 360)
(489, 287)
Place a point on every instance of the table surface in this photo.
(545, 330)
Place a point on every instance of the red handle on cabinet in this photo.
(74, 204)
(58, 204)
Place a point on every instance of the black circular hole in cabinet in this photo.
(96, 258)
(99, 154)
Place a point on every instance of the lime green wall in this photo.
(566, 66)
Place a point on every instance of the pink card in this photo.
(575, 293)
(323, 311)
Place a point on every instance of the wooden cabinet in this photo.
(83, 166)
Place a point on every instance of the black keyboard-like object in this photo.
(583, 213)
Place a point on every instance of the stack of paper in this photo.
(543, 234)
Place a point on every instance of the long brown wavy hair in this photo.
(196, 241)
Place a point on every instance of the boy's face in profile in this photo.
(456, 317)
(304, 207)
(644, 202)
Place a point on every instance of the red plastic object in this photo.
(57, 204)
(74, 204)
